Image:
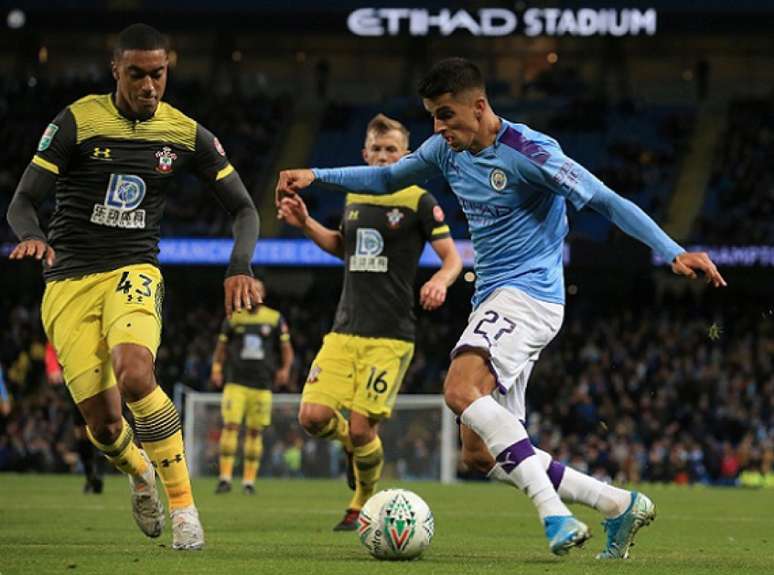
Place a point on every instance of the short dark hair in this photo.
(452, 75)
(140, 37)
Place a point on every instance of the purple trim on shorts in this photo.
(487, 357)
(511, 456)
(555, 473)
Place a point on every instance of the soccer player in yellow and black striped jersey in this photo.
(253, 354)
(109, 158)
(361, 364)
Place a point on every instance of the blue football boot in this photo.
(565, 532)
(622, 529)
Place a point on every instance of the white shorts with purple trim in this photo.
(511, 328)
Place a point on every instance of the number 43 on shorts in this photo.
(142, 286)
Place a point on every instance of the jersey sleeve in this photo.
(415, 168)
(282, 329)
(225, 331)
(431, 219)
(57, 144)
(210, 159)
(546, 165)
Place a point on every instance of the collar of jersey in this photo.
(491, 151)
(117, 112)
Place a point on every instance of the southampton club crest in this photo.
(314, 374)
(394, 216)
(498, 180)
(166, 156)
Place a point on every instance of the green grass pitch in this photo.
(48, 526)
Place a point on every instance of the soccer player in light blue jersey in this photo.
(512, 183)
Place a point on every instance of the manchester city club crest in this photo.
(166, 156)
(394, 216)
(498, 180)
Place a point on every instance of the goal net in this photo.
(420, 439)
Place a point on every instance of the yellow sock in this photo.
(369, 460)
(252, 459)
(337, 428)
(123, 453)
(158, 429)
(228, 447)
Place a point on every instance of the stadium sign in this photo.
(502, 22)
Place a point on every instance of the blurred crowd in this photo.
(739, 203)
(656, 393)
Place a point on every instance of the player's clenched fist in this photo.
(433, 294)
(292, 181)
(293, 210)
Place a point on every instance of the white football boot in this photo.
(187, 532)
(147, 509)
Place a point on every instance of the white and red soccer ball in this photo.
(396, 524)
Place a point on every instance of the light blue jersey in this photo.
(513, 195)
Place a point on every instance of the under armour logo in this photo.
(167, 462)
(101, 153)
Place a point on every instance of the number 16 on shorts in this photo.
(377, 384)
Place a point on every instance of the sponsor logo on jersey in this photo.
(165, 156)
(352, 215)
(101, 154)
(438, 214)
(218, 146)
(568, 176)
(483, 213)
(394, 216)
(368, 248)
(124, 194)
(265, 330)
(47, 137)
(498, 180)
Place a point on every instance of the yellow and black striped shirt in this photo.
(384, 237)
(113, 173)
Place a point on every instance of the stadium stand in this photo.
(739, 201)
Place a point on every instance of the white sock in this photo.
(577, 487)
(608, 500)
(508, 442)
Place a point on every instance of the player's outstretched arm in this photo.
(635, 222)
(293, 210)
(35, 185)
(290, 182)
(241, 289)
(432, 295)
(415, 168)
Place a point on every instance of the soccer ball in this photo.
(396, 524)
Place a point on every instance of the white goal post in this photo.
(420, 439)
